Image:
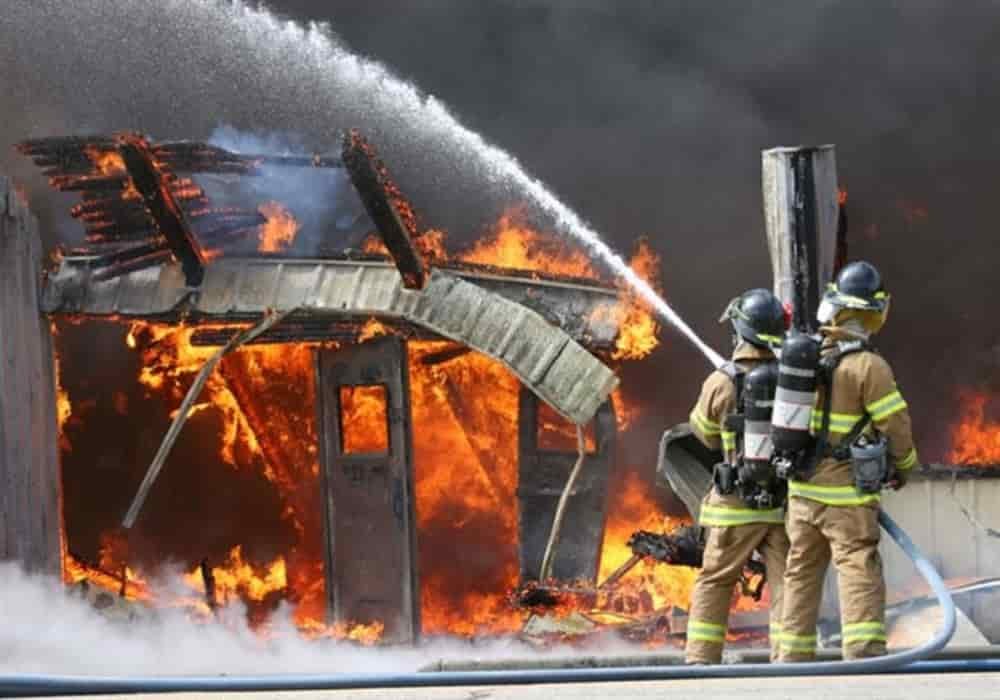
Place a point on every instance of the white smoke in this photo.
(49, 629)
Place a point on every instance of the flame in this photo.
(465, 435)
(513, 244)
(238, 578)
(365, 419)
(465, 463)
(431, 244)
(634, 508)
(106, 162)
(638, 334)
(278, 233)
(64, 407)
(975, 439)
(111, 163)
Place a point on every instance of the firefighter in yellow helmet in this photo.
(734, 528)
(863, 433)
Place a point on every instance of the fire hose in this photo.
(907, 661)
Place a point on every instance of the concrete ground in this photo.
(954, 686)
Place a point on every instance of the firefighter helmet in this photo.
(758, 317)
(858, 286)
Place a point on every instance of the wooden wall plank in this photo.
(30, 519)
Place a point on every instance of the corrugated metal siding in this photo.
(545, 357)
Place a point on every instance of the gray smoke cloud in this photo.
(647, 118)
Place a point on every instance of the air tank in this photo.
(758, 399)
(796, 394)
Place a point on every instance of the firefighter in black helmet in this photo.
(733, 529)
(864, 442)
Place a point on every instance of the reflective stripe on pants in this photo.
(727, 549)
(849, 535)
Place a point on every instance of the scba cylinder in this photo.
(758, 400)
(796, 394)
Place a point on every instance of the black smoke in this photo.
(647, 118)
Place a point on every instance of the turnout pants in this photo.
(850, 535)
(727, 549)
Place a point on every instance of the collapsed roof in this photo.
(159, 249)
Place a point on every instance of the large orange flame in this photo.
(975, 439)
(465, 420)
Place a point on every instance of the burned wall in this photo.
(30, 519)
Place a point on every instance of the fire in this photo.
(514, 245)
(238, 578)
(64, 407)
(111, 163)
(278, 233)
(465, 458)
(365, 419)
(465, 436)
(106, 162)
(634, 508)
(639, 330)
(975, 439)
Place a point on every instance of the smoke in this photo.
(323, 201)
(646, 117)
(50, 629)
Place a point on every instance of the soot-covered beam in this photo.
(387, 208)
(162, 206)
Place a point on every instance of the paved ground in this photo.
(929, 687)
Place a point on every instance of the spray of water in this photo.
(505, 167)
(142, 63)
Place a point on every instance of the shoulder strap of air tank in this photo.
(828, 365)
(736, 375)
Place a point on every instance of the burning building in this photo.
(359, 422)
(331, 411)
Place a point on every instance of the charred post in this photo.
(801, 207)
(384, 202)
(163, 207)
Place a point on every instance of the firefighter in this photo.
(733, 531)
(863, 430)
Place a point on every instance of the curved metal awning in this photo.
(533, 327)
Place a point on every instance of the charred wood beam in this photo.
(440, 357)
(158, 257)
(308, 331)
(111, 232)
(125, 221)
(382, 200)
(163, 207)
(208, 579)
(193, 156)
(108, 206)
(62, 144)
(210, 217)
(95, 183)
(127, 254)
